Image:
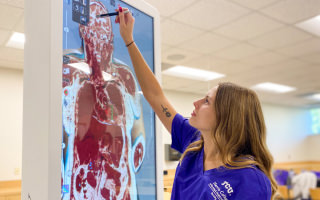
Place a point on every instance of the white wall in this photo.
(288, 129)
(183, 103)
(11, 82)
(312, 143)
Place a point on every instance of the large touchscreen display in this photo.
(108, 147)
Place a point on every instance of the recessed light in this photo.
(311, 25)
(273, 87)
(192, 73)
(16, 40)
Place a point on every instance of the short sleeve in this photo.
(182, 133)
(254, 185)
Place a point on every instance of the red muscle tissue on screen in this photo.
(101, 105)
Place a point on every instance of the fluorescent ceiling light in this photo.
(315, 97)
(16, 40)
(311, 25)
(191, 73)
(273, 87)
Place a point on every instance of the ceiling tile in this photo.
(197, 92)
(302, 48)
(254, 4)
(169, 7)
(233, 78)
(209, 14)
(206, 62)
(277, 73)
(264, 59)
(11, 54)
(207, 43)
(164, 47)
(248, 27)
(188, 55)
(166, 81)
(286, 70)
(199, 86)
(310, 72)
(11, 64)
(288, 66)
(238, 51)
(187, 90)
(232, 19)
(4, 36)
(258, 75)
(173, 33)
(15, 3)
(312, 58)
(20, 26)
(9, 16)
(173, 82)
(280, 38)
(232, 68)
(165, 66)
(293, 11)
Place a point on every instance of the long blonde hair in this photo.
(240, 133)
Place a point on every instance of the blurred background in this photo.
(271, 46)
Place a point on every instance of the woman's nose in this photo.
(196, 104)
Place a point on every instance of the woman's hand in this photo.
(126, 21)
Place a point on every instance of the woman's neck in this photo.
(211, 157)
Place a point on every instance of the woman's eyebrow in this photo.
(210, 99)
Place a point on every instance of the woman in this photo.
(223, 144)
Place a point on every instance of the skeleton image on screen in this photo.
(103, 130)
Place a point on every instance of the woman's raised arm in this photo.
(151, 88)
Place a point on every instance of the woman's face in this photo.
(203, 116)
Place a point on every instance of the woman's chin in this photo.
(191, 122)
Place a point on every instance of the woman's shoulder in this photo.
(254, 182)
(253, 177)
(182, 133)
(253, 173)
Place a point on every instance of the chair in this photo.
(315, 194)
(285, 193)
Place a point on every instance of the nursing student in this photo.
(223, 144)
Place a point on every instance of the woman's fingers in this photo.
(124, 15)
(121, 17)
(117, 17)
(126, 22)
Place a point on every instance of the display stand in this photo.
(42, 100)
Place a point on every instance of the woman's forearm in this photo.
(147, 80)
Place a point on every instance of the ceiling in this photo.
(250, 41)
(11, 19)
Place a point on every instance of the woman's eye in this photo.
(206, 101)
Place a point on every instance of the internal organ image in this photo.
(103, 130)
